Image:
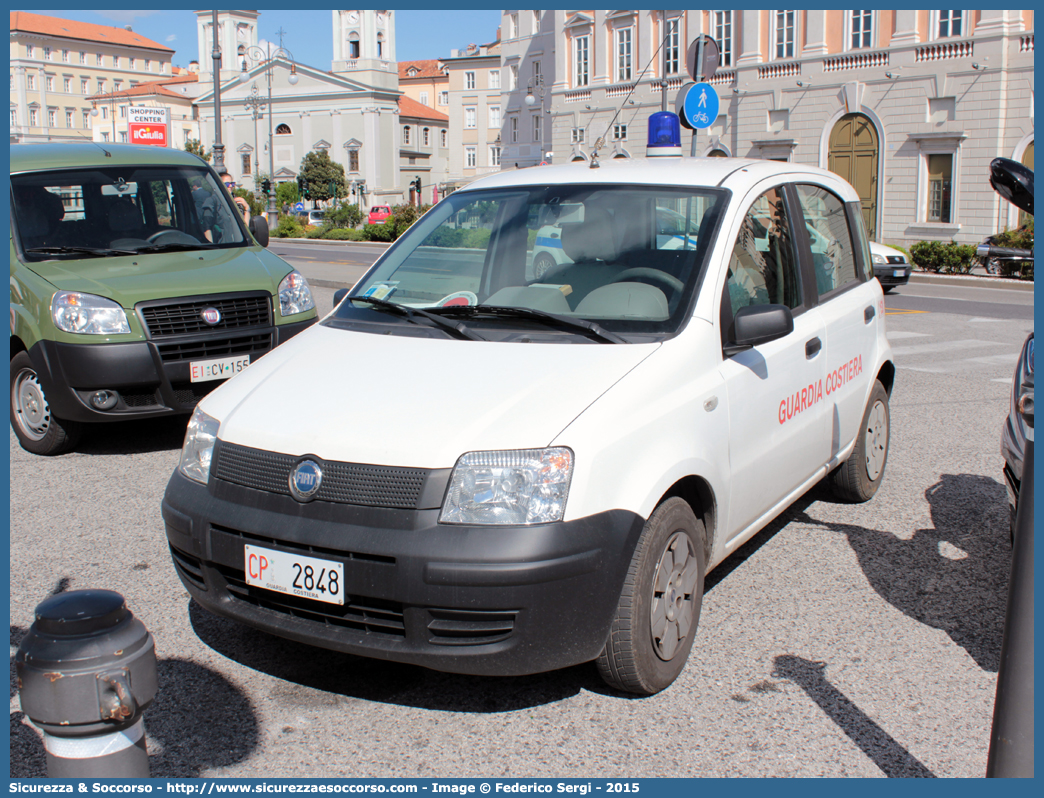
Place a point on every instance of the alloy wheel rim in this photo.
(31, 409)
(876, 443)
(673, 601)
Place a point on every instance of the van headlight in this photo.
(524, 486)
(199, 446)
(879, 258)
(294, 295)
(87, 314)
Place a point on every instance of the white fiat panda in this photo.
(486, 468)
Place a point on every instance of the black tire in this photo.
(37, 430)
(659, 607)
(542, 265)
(858, 478)
(888, 288)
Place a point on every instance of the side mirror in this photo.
(759, 324)
(340, 294)
(1013, 181)
(259, 229)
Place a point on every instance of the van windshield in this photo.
(85, 213)
(626, 257)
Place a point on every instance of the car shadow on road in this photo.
(133, 437)
(198, 721)
(954, 576)
(316, 672)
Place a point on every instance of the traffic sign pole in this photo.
(698, 77)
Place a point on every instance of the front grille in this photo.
(895, 259)
(139, 399)
(214, 348)
(189, 567)
(469, 628)
(343, 483)
(184, 318)
(190, 393)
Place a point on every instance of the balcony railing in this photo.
(577, 96)
(1026, 44)
(944, 50)
(779, 70)
(855, 61)
(620, 90)
(723, 78)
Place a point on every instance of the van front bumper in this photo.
(480, 600)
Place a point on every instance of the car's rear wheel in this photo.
(542, 265)
(858, 478)
(659, 607)
(37, 429)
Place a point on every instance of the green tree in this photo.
(193, 146)
(256, 208)
(286, 194)
(319, 170)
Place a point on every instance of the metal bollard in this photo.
(86, 673)
(1011, 738)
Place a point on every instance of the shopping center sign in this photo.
(148, 126)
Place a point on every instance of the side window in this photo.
(833, 258)
(763, 267)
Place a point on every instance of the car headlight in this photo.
(294, 295)
(879, 259)
(199, 446)
(87, 314)
(524, 486)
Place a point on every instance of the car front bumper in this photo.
(478, 600)
(897, 274)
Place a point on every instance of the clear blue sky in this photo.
(419, 34)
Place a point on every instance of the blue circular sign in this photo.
(701, 106)
(305, 480)
(299, 206)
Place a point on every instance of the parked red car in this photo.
(378, 213)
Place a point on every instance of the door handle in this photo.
(812, 348)
(868, 314)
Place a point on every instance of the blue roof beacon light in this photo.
(664, 135)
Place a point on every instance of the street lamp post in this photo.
(267, 57)
(112, 113)
(215, 54)
(254, 103)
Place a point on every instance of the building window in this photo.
(30, 82)
(469, 80)
(86, 119)
(101, 86)
(512, 26)
(115, 62)
(443, 98)
(581, 60)
(67, 85)
(123, 112)
(47, 54)
(68, 118)
(29, 50)
(494, 156)
(34, 119)
(514, 130)
(14, 117)
(443, 133)
(380, 45)
(576, 135)
(949, 24)
(426, 137)
(132, 63)
(784, 34)
(469, 117)
(84, 83)
(245, 158)
(622, 49)
(50, 83)
(98, 59)
(673, 46)
(424, 98)
(861, 29)
(52, 118)
(353, 45)
(123, 136)
(283, 130)
(83, 57)
(513, 75)
(494, 78)
(469, 157)
(65, 56)
(105, 135)
(619, 132)
(104, 112)
(148, 65)
(353, 160)
(406, 134)
(723, 36)
(940, 182)
(117, 86)
(494, 116)
(536, 127)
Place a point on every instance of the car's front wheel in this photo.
(37, 430)
(858, 478)
(542, 265)
(659, 608)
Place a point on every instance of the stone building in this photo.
(475, 111)
(909, 105)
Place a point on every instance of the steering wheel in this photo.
(655, 275)
(173, 237)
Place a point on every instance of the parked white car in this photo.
(508, 473)
(891, 267)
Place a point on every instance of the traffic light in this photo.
(266, 186)
(300, 185)
(417, 184)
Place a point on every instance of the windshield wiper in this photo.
(411, 313)
(99, 251)
(505, 311)
(169, 247)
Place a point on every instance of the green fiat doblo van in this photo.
(136, 288)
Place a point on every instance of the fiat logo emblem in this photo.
(305, 480)
(211, 316)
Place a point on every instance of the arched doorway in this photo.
(853, 155)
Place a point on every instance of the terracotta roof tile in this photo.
(150, 89)
(425, 69)
(85, 31)
(409, 107)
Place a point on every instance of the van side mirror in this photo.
(259, 229)
(340, 294)
(759, 324)
(1013, 181)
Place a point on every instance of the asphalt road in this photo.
(842, 641)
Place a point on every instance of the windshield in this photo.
(121, 210)
(625, 257)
